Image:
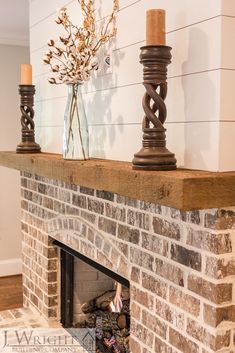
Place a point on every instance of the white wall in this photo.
(200, 123)
(10, 248)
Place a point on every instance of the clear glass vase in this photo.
(76, 137)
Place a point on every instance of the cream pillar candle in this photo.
(155, 27)
(26, 74)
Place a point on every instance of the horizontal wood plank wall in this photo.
(199, 107)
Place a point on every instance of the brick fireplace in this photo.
(180, 264)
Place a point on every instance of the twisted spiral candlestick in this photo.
(28, 144)
(154, 155)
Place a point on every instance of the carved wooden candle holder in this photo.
(28, 144)
(154, 155)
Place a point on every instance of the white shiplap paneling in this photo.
(228, 43)
(227, 107)
(123, 105)
(195, 48)
(197, 98)
(226, 146)
(228, 7)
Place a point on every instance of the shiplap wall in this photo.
(201, 121)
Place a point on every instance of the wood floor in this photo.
(11, 295)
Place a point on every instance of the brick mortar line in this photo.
(185, 290)
(39, 277)
(105, 236)
(203, 264)
(143, 345)
(232, 344)
(35, 308)
(48, 259)
(179, 222)
(233, 298)
(164, 216)
(137, 303)
(88, 197)
(172, 262)
(171, 241)
(222, 256)
(96, 250)
(75, 235)
(190, 271)
(28, 247)
(33, 177)
(42, 207)
(214, 281)
(115, 203)
(199, 343)
(187, 335)
(30, 290)
(32, 189)
(51, 183)
(168, 344)
(9, 312)
(183, 224)
(62, 202)
(46, 294)
(206, 229)
(39, 242)
(36, 239)
(182, 266)
(185, 314)
(26, 318)
(169, 325)
(74, 218)
(52, 198)
(37, 218)
(42, 279)
(141, 230)
(41, 302)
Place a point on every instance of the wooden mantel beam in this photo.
(182, 189)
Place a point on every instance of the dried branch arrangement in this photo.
(73, 56)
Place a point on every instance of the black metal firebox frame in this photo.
(67, 255)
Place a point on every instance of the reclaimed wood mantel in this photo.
(183, 189)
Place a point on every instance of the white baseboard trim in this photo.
(10, 267)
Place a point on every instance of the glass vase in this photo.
(76, 137)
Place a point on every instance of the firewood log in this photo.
(101, 302)
(123, 321)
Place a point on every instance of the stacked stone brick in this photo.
(181, 265)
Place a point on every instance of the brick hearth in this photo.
(21, 318)
(181, 265)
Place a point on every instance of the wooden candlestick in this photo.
(28, 144)
(155, 57)
(155, 27)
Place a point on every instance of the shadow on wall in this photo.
(102, 127)
(42, 137)
(50, 102)
(198, 110)
(38, 116)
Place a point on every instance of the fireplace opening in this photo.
(93, 296)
